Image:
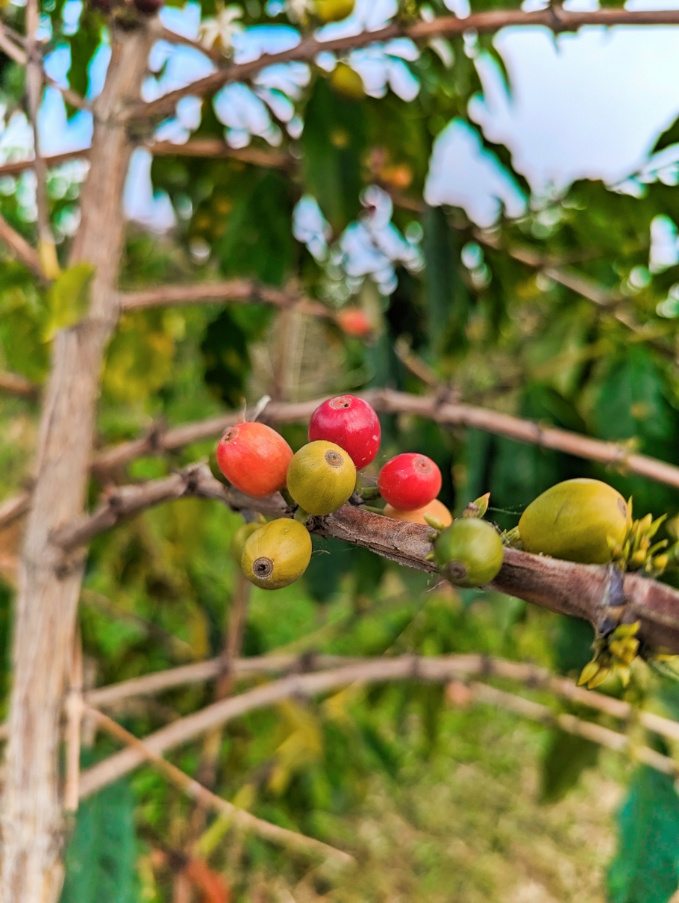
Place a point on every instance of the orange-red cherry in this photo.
(349, 422)
(409, 481)
(254, 458)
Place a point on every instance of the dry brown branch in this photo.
(429, 407)
(231, 648)
(241, 291)
(14, 384)
(9, 45)
(13, 508)
(554, 18)
(436, 670)
(531, 676)
(197, 147)
(21, 249)
(34, 89)
(205, 798)
(596, 733)
(213, 147)
(562, 586)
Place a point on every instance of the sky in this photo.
(589, 105)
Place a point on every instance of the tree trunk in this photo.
(49, 583)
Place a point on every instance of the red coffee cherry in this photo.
(254, 458)
(354, 322)
(409, 481)
(349, 422)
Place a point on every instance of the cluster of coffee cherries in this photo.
(344, 437)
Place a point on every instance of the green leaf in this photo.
(565, 759)
(333, 141)
(667, 138)
(448, 300)
(646, 866)
(102, 853)
(68, 298)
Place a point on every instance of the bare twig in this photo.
(531, 676)
(435, 670)
(14, 384)
(10, 46)
(198, 147)
(13, 508)
(243, 291)
(556, 19)
(429, 407)
(21, 249)
(232, 644)
(213, 147)
(204, 797)
(596, 733)
(34, 87)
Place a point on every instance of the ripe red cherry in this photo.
(254, 458)
(349, 422)
(354, 322)
(409, 481)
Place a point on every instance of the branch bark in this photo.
(430, 407)
(577, 590)
(209, 800)
(436, 670)
(14, 384)
(21, 249)
(49, 583)
(554, 18)
(531, 676)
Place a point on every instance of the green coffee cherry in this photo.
(276, 554)
(469, 552)
(579, 520)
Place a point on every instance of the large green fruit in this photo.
(277, 554)
(333, 10)
(575, 520)
(321, 477)
(469, 552)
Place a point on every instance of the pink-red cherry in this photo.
(349, 422)
(409, 481)
(254, 458)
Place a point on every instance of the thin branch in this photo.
(580, 285)
(9, 46)
(14, 384)
(205, 798)
(213, 147)
(34, 89)
(13, 508)
(198, 147)
(240, 291)
(384, 670)
(556, 19)
(596, 733)
(573, 589)
(21, 249)
(531, 676)
(430, 407)
(231, 649)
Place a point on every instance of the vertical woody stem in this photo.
(49, 583)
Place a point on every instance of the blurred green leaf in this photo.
(102, 853)
(68, 298)
(566, 757)
(646, 865)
